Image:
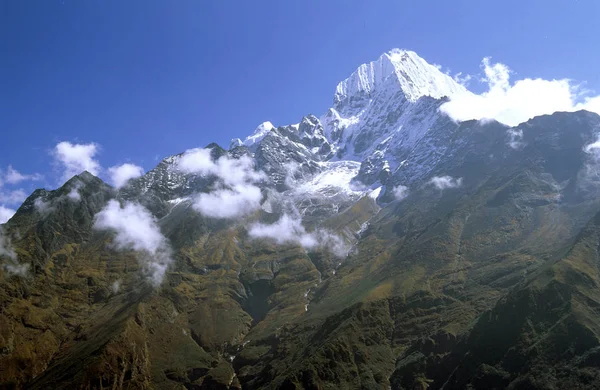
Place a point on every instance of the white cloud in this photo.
(74, 194)
(76, 158)
(136, 229)
(462, 80)
(516, 139)
(115, 286)
(512, 104)
(235, 193)
(13, 197)
(232, 202)
(400, 192)
(230, 171)
(593, 148)
(12, 176)
(6, 247)
(6, 214)
(590, 175)
(121, 174)
(197, 161)
(43, 207)
(10, 262)
(16, 269)
(443, 182)
(285, 230)
(289, 230)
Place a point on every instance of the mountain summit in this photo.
(401, 69)
(380, 114)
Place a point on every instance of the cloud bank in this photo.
(235, 193)
(136, 229)
(444, 182)
(512, 104)
(121, 174)
(76, 158)
(289, 230)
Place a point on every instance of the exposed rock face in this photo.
(484, 274)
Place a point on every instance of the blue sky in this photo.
(147, 79)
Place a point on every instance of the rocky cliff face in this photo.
(381, 245)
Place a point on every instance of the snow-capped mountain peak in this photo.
(259, 133)
(379, 117)
(403, 68)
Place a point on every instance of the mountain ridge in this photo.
(448, 255)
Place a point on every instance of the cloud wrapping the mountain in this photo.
(197, 161)
(121, 174)
(74, 194)
(43, 207)
(230, 171)
(235, 193)
(512, 104)
(400, 192)
(115, 286)
(444, 182)
(136, 229)
(5, 246)
(593, 148)
(9, 262)
(516, 139)
(590, 175)
(231, 202)
(289, 230)
(76, 158)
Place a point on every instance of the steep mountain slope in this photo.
(382, 245)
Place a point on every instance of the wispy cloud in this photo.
(463, 80)
(512, 104)
(74, 194)
(8, 257)
(6, 214)
(136, 229)
(6, 247)
(593, 148)
(115, 286)
(591, 171)
(289, 230)
(230, 171)
(12, 176)
(76, 158)
(516, 139)
(400, 192)
(235, 193)
(43, 207)
(444, 182)
(121, 174)
(12, 197)
(236, 201)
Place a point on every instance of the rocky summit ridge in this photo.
(381, 245)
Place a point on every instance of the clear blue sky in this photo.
(153, 78)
